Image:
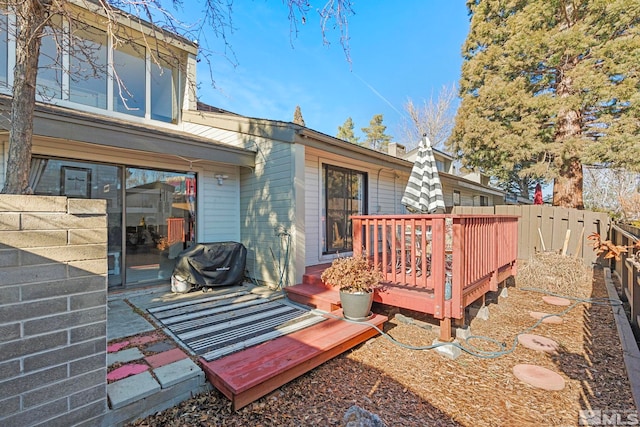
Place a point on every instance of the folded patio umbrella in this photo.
(423, 193)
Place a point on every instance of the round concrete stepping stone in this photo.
(549, 299)
(539, 377)
(538, 343)
(552, 319)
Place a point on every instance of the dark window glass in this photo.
(345, 195)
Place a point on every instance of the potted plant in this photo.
(356, 279)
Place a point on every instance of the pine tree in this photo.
(550, 85)
(375, 136)
(297, 117)
(345, 132)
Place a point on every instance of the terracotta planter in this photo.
(356, 306)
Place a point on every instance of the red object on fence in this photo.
(537, 197)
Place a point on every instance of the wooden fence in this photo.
(627, 270)
(546, 228)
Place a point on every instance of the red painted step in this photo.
(252, 373)
(315, 296)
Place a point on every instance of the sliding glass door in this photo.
(345, 195)
(159, 222)
(150, 219)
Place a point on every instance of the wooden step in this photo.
(314, 295)
(246, 376)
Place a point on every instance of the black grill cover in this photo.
(212, 264)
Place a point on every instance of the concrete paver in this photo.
(124, 322)
(177, 372)
(131, 389)
(124, 356)
(165, 357)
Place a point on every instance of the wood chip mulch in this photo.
(407, 387)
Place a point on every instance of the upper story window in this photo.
(50, 61)
(129, 86)
(164, 87)
(80, 64)
(88, 67)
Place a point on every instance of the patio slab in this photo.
(123, 322)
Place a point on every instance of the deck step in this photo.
(248, 375)
(314, 295)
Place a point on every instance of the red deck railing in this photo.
(447, 261)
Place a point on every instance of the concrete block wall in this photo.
(53, 311)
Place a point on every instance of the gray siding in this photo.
(267, 204)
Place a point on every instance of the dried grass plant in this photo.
(352, 274)
(556, 273)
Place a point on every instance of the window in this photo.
(456, 198)
(80, 64)
(129, 81)
(164, 91)
(345, 195)
(50, 61)
(484, 201)
(88, 67)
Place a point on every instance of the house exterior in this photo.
(175, 172)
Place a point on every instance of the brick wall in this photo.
(53, 318)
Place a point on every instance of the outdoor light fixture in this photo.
(221, 178)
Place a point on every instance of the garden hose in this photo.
(503, 349)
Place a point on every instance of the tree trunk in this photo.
(567, 188)
(31, 16)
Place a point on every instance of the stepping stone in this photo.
(166, 357)
(117, 346)
(126, 371)
(549, 299)
(124, 356)
(546, 317)
(538, 343)
(539, 377)
(160, 347)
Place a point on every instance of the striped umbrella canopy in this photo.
(423, 193)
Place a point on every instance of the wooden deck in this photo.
(245, 376)
(433, 264)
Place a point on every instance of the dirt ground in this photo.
(408, 387)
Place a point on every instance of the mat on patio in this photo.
(215, 326)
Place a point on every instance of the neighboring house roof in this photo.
(71, 124)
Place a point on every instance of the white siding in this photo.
(385, 187)
(267, 203)
(220, 135)
(219, 205)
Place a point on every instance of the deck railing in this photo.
(447, 255)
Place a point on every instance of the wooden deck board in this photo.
(250, 374)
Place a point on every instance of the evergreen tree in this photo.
(297, 117)
(345, 132)
(375, 136)
(550, 85)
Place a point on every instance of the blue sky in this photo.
(399, 50)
